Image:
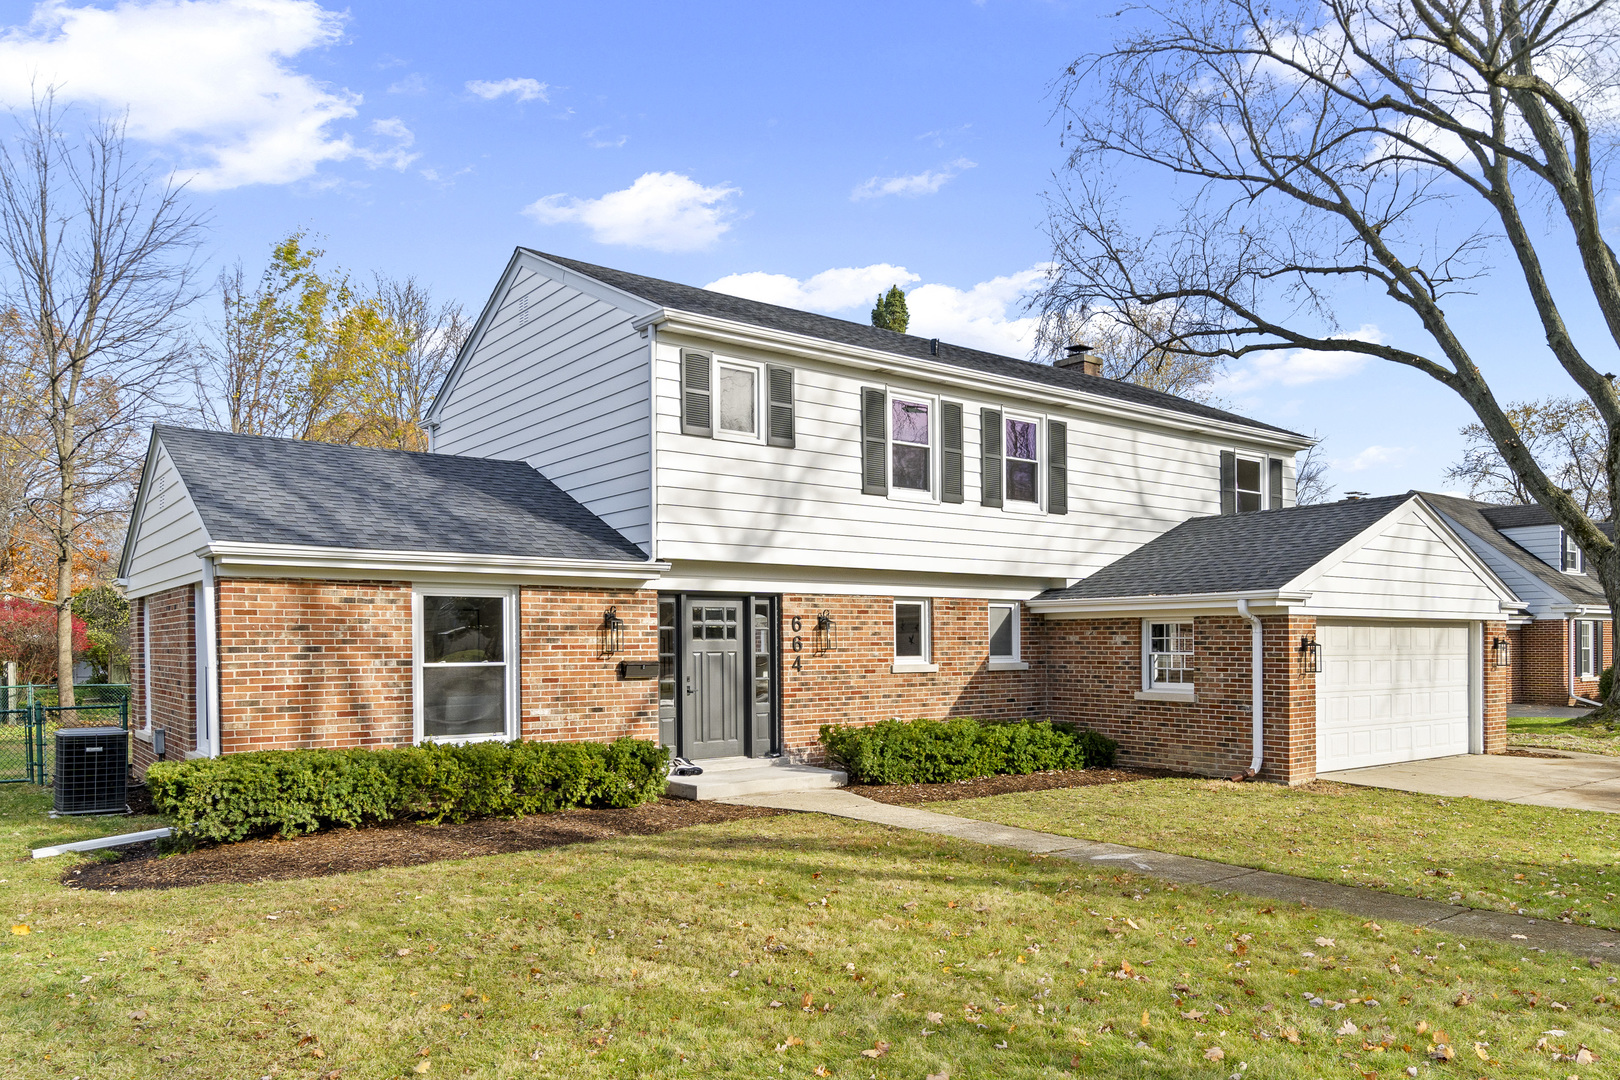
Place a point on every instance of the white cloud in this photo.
(983, 317)
(522, 89)
(1371, 456)
(397, 156)
(830, 291)
(413, 83)
(986, 316)
(207, 79)
(663, 211)
(1298, 367)
(923, 183)
(598, 141)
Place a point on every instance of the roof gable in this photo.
(1485, 522)
(253, 489)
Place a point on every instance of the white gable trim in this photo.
(139, 515)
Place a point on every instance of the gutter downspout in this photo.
(210, 659)
(1257, 687)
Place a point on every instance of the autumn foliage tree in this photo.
(28, 639)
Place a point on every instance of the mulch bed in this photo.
(913, 794)
(342, 850)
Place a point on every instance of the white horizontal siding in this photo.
(558, 379)
(730, 502)
(1545, 542)
(1406, 571)
(1531, 589)
(167, 535)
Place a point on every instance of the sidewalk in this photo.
(1363, 903)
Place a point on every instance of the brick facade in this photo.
(306, 663)
(1542, 653)
(170, 618)
(1094, 672)
(854, 681)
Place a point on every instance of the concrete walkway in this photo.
(1571, 780)
(1362, 903)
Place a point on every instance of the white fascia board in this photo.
(1506, 596)
(233, 558)
(757, 337)
(1189, 603)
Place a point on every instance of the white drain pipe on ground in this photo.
(1257, 686)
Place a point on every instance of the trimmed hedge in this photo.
(1605, 683)
(940, 751)
(301, 791)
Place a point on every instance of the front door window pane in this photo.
(666, 652)
(1023, 461)
(911, 449)
(1248, 485)
(738, 395)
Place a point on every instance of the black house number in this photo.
(798, 642)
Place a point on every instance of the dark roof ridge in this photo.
(716, 304)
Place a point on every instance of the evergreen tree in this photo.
(889, 313)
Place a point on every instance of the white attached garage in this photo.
(1391, 692)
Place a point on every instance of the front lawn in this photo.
(1563, 733)
(1538, 861)
(786, 946)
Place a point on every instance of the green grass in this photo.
(1543, 862)
(770, 947)
(1557, 733)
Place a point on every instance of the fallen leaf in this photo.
(1324, 942)
(776, 1004)
(806, 1000)
(909, 905)
(1192, 1014)
(821, 1070)
(1348, 1028)
(1583, 1056)
(317, 1053)
(934, 1018)
(1214, 1053)
(943, 1074)
(1422, 1027)
(1442, 1052)
(879, 1048)
(422, 1066)
(138, 1014)
(1464, 998)
(1481, 1052)
(402, 952)
(1144, 1018)
(1291, 1034)
(21, 928)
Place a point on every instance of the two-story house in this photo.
(1564, 638)
(660, 511)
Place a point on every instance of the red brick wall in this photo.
(170, 618)
(1542, 663)
(1497, 684)
(1094, 670)
(853, 684)
(571, 690)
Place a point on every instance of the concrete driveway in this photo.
(1577, 781)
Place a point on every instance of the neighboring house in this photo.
(659, 511)
(1565, 638)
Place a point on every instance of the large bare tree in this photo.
(1307, 148)
(96, 265)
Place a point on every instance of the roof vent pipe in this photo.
(933, 346)
(1257, 687)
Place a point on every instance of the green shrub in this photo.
(1605, 683)
(939, 751)
(300, 791)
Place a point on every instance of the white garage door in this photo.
(1390, 692)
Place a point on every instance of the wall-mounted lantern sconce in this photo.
(612, 632)
(1310, 651)
(824, 632)
(1501, 652)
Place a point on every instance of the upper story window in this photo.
(723, 398)
(1250, 483)
(1023, 461)
(911, 445)
(739, 400)
(1574, 557)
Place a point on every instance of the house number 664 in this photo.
(798, 642)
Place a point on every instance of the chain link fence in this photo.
(31, 714)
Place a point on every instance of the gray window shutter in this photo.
(1275, 465)
(990, 454)
(874, 442)
(1057, 467)
(1228, 481)
(779, 424)
(697, 394)
(950, 451)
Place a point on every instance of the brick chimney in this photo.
(1076, 356)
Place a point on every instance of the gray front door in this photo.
(716, 637)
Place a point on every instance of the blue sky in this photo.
(807, 154)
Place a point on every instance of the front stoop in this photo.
(727, 778)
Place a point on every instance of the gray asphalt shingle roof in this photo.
(1485, 519)
(720, 305)
(284, 491)
(1237, 553)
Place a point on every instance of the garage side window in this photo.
(463, 678)
(1167, 656)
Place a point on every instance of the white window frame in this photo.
(720, 432)
(1588, 654)
(1265, 483)
(905, 494)
(913, 664)
(1571, 548)
(1008, 503)
(509, 649)
(1015, 662)
(1162, 691)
